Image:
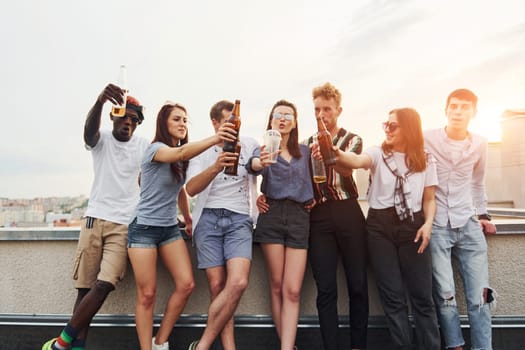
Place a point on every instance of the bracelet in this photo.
(484, 217)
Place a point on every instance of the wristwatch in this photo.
(485, 217)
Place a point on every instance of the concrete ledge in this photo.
(505, 226)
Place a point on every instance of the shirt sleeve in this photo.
(375, 154)
(431, 178)
(256, 154)
(195, 166)
(355, 145)
(479, 195)
(151, 150)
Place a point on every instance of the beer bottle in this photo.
(325, 143)
(232, 170)
(235, 118)
(120, 110)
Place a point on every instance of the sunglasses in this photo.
(286, 116)
(133, 119)
(390, 126)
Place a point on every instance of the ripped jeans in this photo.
(468, 246)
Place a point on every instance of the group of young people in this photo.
(427, 204)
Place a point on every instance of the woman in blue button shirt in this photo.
(283, 230)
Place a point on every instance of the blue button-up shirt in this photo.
(287, 180)
(461, 189)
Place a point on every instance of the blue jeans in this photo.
(468, 246)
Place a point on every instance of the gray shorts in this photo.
(286, 222)
(221, 235)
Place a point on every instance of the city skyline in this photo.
(59, 55)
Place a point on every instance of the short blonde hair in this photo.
(327, 91)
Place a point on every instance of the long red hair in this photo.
(410, 125)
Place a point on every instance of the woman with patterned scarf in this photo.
(399, 223)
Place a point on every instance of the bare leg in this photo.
(144, 263)
(223, 306)
(216, 282)
(177, 260)
(274, 257)
(294, 267)
(87, 305)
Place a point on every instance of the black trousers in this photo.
(396, 264)
(337, 229)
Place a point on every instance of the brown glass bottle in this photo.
(235, 118)
(325, 143)
(232, 170)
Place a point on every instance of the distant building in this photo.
(506, 163)
(32, 212)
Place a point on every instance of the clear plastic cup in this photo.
(272, 141)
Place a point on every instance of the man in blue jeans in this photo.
(459, 224)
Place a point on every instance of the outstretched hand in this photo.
(113, 94)
(266, 157)
(227, 132)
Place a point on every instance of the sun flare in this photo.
(488, 123)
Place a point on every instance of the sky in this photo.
(58, 55)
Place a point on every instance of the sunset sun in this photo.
(487, 123)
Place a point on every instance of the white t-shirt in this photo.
(381, 191)
(115, 189)
(235, 193)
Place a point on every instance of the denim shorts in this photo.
(148, 236)
(221, 235)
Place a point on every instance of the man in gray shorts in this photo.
(223, 219)
(101, 257)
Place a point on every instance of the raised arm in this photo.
(192, 149)
(346, 161)
(110, 93)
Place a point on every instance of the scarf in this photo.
(402, 197)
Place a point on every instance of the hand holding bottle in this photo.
(119, 108)
(324, 138)
(227, 133)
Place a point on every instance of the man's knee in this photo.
(238, 283)
(488, 296)
(216, 286)
(448, 299)
(103, 287)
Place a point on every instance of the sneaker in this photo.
(165, 346)
(193, 345)
(48, 345)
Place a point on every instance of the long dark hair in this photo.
(178, 169)
(410, 125)
(293, 139)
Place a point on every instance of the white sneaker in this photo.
(165, 346)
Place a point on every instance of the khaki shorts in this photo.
(101, 253)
